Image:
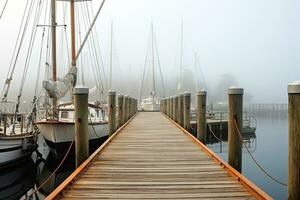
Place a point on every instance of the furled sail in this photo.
(59, 88)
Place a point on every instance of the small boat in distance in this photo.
(151, 103)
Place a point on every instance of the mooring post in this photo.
(201, 116)
(294, 140)
(176, 108)
(171, 107)
(186, 111)
(180, 109)
(129, 107)
(125, 107)
(111, 112)
(168, 106)
(235, 115)
(120, 110)
(81, 95)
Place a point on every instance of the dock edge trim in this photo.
(250, 186)
(57, 193)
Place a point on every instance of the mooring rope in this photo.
(254, 160)
(210, 130)
(54, 172)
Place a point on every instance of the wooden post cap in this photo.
(294, 88)
(81, 90)
(121, 95)
(235, 90)
(111, 92)
(187, 94)
(201, 92)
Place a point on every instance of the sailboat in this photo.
(17, 131)
(58, 127)
(152, 102)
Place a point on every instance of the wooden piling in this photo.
(81, 124)
(180, 109)
(126, 107)
(294, 140)
(235, 109)
(176, 108)
(168, 106)
(111, 112)
(171, 107)
(201, 116)
(186, 111)
(120, 110)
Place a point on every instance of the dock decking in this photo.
(150, 157)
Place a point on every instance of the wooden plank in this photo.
(151, 158)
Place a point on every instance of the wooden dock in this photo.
(151, 157)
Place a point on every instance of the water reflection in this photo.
(49, 184)
(17, 180)
(217, 141)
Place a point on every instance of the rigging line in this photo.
(97, 42)
(252, 157)
(15, 48)
(202, 74)
(47, 66)
(88, 33)
(80, 68)
(65, 33)
(160, 70)
(5, 4)
(31, 43)
(92, 56)
(145, 67)
(94, 51)
(22, 39)
(39, 65)
(30, 47)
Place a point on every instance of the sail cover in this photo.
(60, 87)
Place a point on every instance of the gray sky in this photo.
(257, 41)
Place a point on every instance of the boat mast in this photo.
(53, 51)
(181, 52)
(153, 79)
(196, 74)
(73, 51)
(111, 56)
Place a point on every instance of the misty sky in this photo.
(257, 41)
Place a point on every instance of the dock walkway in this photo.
(151, 157)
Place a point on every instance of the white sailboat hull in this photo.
(58, 135)
(150, 107)
(13, 149)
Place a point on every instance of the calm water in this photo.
(269, 148)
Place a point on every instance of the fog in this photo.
(253, 44)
